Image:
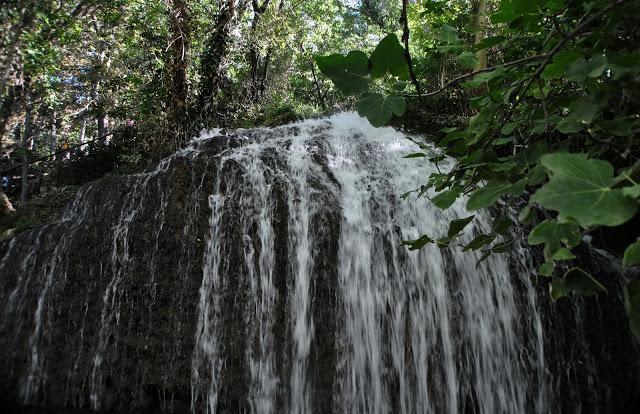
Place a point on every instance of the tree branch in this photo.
(476, 72)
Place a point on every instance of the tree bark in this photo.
(176, 70)
(26, 136)
(24, 23)
(480, 34)
(83, 130)
(7, 107)
(405, 38)
(211, 70)
(256, 84)
(53, 136)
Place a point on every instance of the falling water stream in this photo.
(263, 270)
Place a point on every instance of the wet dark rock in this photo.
(120, 277)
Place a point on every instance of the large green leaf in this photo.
(632, 304)
(445, 199)
(348, 73)
(622, 64)
(580, 188)
(456, 226)
(632, 255)
(553, 234)
(585, 109)
(576, 280)
(582, 69)
(388, 57)
(378, 109)
(418, 243)
(582, 282)
(448, 34)
(488, 195)
(560, 63)
(468, 59)
(479, 241)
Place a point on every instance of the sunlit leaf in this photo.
(632, 255)
(580, 188)
(446, 198)
(553, 234)
(456, 226)
(632, 304)
(487, 195)
(348, 73)
(388, 57)
(379, 109)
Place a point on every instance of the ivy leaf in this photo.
(622, 64)
(585, 110)
(620, 127)
(486, 77)
(502, 247)
(418, 243)
(456, 226)
(488, 42)
(632, 255)
(569, 125)
(484, 257)
(582, 282)
(468, 59)
(501, 225)
(560, 63)
(557, 289)
(580, 188)
(563, 254)
(633, 191)
(348, 73)
(488, 195)
(526, 215)
(406, 195)
(581, 69)
(479, 241)
(445, 199)
(449, 35)
(547, 268)
(416, 155)
(553, 233)
(388, 57)
(632, 304)
(378, 109)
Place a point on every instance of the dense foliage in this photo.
(555, 120)
(550, 89)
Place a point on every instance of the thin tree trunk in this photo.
(83, 130)
(405, 38)
(254, 57)
(24, 188)
(321, 100)
(213, 57)
(25, 23)
(481, 31)
(8, 105)
(53, 137)
(177, 68)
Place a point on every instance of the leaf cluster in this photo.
(555, 123)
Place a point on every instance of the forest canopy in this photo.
(543, 98)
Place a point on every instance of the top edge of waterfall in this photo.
(347, 120)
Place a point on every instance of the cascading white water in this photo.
(263, 270)
(423, 331)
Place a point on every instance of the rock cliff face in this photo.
(262, 270)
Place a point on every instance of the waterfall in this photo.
(263, 270)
